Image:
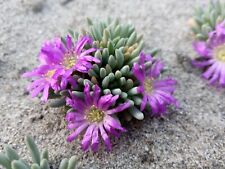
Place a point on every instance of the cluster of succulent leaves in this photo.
(205, 19)
(120, 46)
(11, 160)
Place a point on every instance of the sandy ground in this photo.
(190, 137)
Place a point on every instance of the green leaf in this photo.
(98, 55)
(96, 34)
(71, 32)
(120, 43)
(105, 55)
(107, 91)
(154, 51)
(137, 100)
(64, 93)
(86, 81)
(201, 36)
(119, 58)
(108, 69)
(122, 81)
(33, 149)
(110, 47)
(148, 65)
(76, 35)
(129, 84)
(198, 20)
(80, 81)
(125, 70)
(105, 82)
(91, 73)
(112, 61)
(123, 95)
(206, 29)
(44, 164)
(118, 74)
(96, 68)
(111, 77)
(16, 164)
(35, 166)
(11, 153)
(117, 31)
(124, 30)
(133, 91)
(131, 29)
(116, 91)
(72, 163)
(132, 39)
(52, 95)
(102, 72)
(137, 51)
(57, 102)
(105, 37)
(4, 161)
(218, 7)
(64, 164)
(89, 21)
(136, 113)
(44, 154)
(212, 18)
(139, 38)
(24, 162)
(116, 40)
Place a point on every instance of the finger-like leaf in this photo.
(4, 161)
(72, 163)
(33, 149)
(16, 164)
(11, 153)
(44, 164)
(64, 164)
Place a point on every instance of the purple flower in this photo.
(95, 117)
(58, 62)
(68, 57)
(157, 92)
(212, 56)
(44, 81)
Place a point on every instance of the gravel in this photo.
(189, 137)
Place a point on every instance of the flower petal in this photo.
(72, 136)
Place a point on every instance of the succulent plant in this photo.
(206, 19)
(102, 77)
(120, 47)
(11, 160)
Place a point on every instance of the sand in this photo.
(189, 137)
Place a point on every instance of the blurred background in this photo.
(190, 137)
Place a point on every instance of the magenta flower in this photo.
(68, 57)
(44, 81)
(58, 62)
(158, 93)
(212, 56)
(94, 115)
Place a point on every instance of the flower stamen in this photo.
(50, 73)
(69, 60)
(94, 114)
(148, 85)
(219, 53)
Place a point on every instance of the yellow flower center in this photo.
(69, 60)
(94, 115)
(50, 73)
(219, 53)
(148, 85)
